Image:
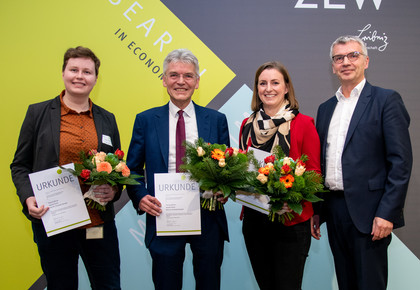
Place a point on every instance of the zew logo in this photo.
(328, 5)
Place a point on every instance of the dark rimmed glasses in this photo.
(352, 56)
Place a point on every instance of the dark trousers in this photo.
(168, 254)
(360, 263)
(277, 253)
(59, 256)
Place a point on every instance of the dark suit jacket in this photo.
(39, 145)
(376, 158)
(149, 148)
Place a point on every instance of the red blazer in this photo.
(303, 140)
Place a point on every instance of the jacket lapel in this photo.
(324, 127)
(97, 118)
(55, 116)
(161, 121)
(203, 123)
(361, 105)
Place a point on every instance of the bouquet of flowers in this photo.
(286, 180)
(217, 169)
(98, 168)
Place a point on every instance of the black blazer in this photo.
(376, 158)
(39, 146)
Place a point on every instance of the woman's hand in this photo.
(284, 209)
(315, 228)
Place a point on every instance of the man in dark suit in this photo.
(153, 150)
(366, 159)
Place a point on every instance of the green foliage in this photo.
(93, 177)
(303, 188)
(204, 169)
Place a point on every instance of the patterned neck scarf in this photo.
(266, 132)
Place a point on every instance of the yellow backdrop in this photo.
(131, 38)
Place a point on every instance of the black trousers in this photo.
(277, 253)
(59, 256)
(360, 263)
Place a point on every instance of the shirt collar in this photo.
(188, 111)
(355, 93)
(66, 110)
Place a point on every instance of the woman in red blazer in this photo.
(278, 251)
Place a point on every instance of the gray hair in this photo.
(181, 55)
(347, 38)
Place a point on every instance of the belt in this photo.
(337, 192)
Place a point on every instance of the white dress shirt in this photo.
(337, 133)
(191, 131)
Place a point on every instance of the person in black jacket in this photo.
(53, 133)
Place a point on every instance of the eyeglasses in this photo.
(175, 76)
(352, 56)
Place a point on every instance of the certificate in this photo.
(60, 191)
(255, 201)
(180, 199)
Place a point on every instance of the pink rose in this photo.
(100, 157)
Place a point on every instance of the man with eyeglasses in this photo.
(366, 159)
(154, 148)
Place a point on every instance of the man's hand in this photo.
(106, 192)
(33, 209)
(151, 205)
(315, 229)
(220, 197)
(381, 228)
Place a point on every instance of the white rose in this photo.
(299, 170)
(262, 178)
(200, 151)
(286, 160)
(222, 162)
(120, 167)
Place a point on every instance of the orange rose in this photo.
(126, 171)
(264, 170)
(104, 166)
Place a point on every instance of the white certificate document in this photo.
(180, 199)
(59, 190)
(255, 201)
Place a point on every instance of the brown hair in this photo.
(81, 51)
(290, 96)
